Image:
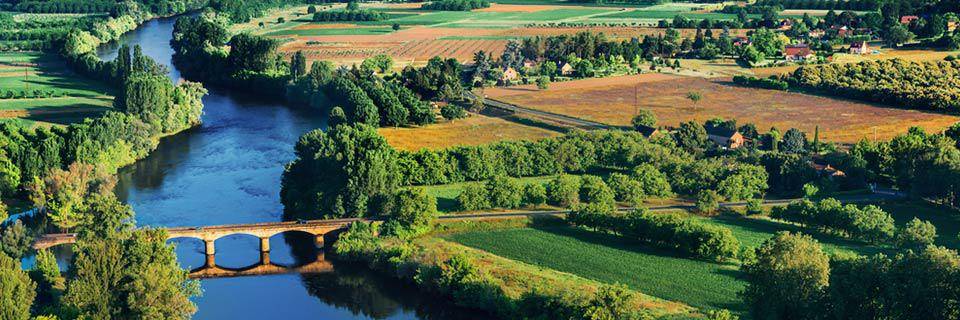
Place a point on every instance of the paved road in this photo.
(572, 121)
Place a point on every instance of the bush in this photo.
(453, 112)
(455, 5)
(348, 15)
(563, 190)
(594, 190)
(504, 192)
(765, 83)
(916, 234)
(534, 194)
(625, 188)
(754, 207)
(708, 201)
(472, 198)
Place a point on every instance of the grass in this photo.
(81, 98)
(446, 194)
(945, 219)
(611, 259)
(656, 14)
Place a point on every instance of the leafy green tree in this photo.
(767, 42)
(794, 141)
(897, 35)
(311, 9)
(644, 118)
(298, 65)
(15, 240)
(653, 182)
(611, 302)
(17, 291)
(353, 5)
(692, 137)
(563, 190)
(534, 194)
(917, 233)
(594, 190)
(337, 117)
(751, 55)
(452, 112)
(46, 273)
(787, 279)
(9, 175)
(625, 188)
(396, 27)
(748, 181)
(472, 198)
(252, 53)
(413, 209)
(504, 192)
(380, 63)
(708, 201)
(543, 82)
(754, 206)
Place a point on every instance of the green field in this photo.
(331, 32)
(667, 15)
(612, 259)
(446, 194)
(501, 19)
(77, 97)
(946, 220)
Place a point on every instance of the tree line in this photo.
(856, 5)
(455, 5)
(349, 15)
(930, 85)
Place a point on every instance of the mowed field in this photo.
(474, 130)
(662, 273)
(75, 98)
(615, 100)
(449, 34)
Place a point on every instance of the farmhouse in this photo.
(826, 170)
(566, 69)
(648, 131)
(797, 52)
(741, 41)
(509, 74)
(908, 19)
(725, 138)
(529, 64)
(843, 31)
(859, 47)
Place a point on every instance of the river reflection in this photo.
(228, 171)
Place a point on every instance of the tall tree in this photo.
(17, 291)
(788, 278)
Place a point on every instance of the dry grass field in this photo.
(474, 130)
(615, 100)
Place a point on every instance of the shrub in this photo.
(563, 190)
(754, 206)
(472, 198)
(594, 190)
(917, 233)
(504, 192)
(534, 194)
(708, 201)
(453, 112)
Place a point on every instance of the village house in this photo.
(725, 138)
(566, 69)
(843, 31)
(509, 74)
(816, 34)
(797, 52)
(908, 19)
(826, 170)
(786, 24)
(648, 131)
(741, 41)
(859, 47)
(529, 64)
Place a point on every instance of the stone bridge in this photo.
(210, 269)
(210, 234)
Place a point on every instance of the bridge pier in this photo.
(319, 240)
(264, 244)
(211, 261)
(264, 257)
(211, 248)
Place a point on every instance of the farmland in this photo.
(474, 130)
(63, 97)
(615, 100)
(425, 34)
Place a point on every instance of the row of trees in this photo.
(66, 6)
(455, 5)
(766, 83)
(685, 234)
(869, 223)
(792, 278)
(856, 5)
(348, 15)
(922, 85)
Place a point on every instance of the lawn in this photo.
(611, 259)
(77, 97)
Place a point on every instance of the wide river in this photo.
(228, 171)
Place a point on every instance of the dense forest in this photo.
(857, 5)
(930, 85)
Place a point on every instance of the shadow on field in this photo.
(772, 227)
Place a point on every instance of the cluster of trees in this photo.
(66, 6)
(35, 93)
(117, 271)
(772, 82)
(456, 5)
(685, 234)
(240, 11)
(349, 15)
(440, 79)
(38, 34)
(792, 278)
(148, 105)
(922, 85)
(869, 223)
(855, 5)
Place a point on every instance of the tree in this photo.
(751, 55)
(543, 82)
(413, 209)
(503, 192)
(787, 279)
(534, 194)
(652, 181)
(17, 290)
(337, 117)
(298, 65)
(472, 198)
(644, 118)
(708, 201)
(611, 302)
(311, 9)
(353, 5)
(594, 190)
(767, 41)
(897, 35)
(695, 97)
(692, 136)
(916, 234)
(563, 190)
(15, 240)
(396, 27)
(452, 112)
(794, 141)
(380, 63)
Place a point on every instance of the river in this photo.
(228, 171)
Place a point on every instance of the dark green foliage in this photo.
(921, 85)
(453, 112)
(794, 141)
(594, 190)
(916, 234)
(348, 15)
(15, 239)
(787, 279)
(869, 223)
(534, 194)
(564, 190)
(708, 201)
(337, 117)
(455, 5)
(241, 11)
(504, 192)
(472, 198)
(625, 188)
(765, 83)
(348, 171)
(252, 53)
(692, 137)
(438, 80)
(652, 182)
(412, 210)
(18, 290)
(685, 234)
(645, 118)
